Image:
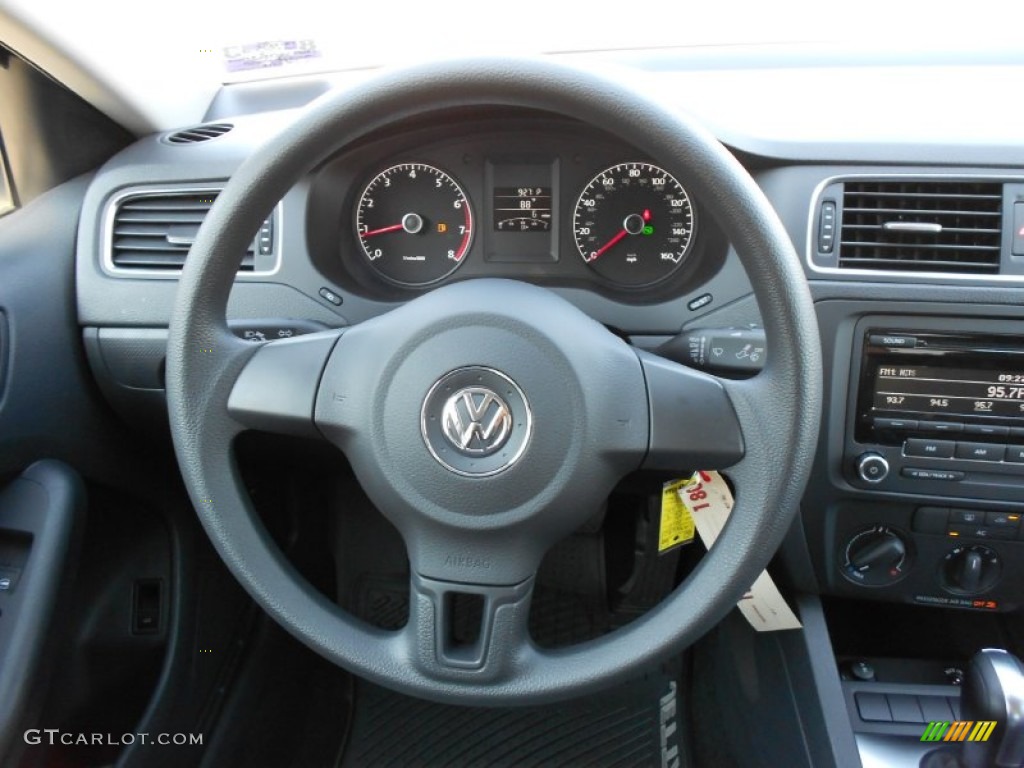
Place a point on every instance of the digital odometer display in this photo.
(522, 209)
(954, 391)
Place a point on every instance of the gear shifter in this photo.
(993, 689)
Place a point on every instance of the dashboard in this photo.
(911, 234)
(896, 245)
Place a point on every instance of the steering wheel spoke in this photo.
(693, 422)
(276, 390)
(459, 629)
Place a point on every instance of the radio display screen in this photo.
(902, 388)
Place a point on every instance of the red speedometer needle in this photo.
(382, 230)
(608, 245)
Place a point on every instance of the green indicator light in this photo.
(648, 230)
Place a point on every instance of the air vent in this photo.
(155, 231)
(198, 133)
(923, 226)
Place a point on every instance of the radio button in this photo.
(989, 430)
(942, 426)
(894, 340)
(980, 451)
(1015, 453)
(936, 449)
(1016, 431)
(915, 473)
(905, 425)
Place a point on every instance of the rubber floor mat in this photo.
(622, 727)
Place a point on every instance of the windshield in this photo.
(167, 60)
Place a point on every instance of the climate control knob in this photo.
(876, 557)
(872, 467)
(971, 570)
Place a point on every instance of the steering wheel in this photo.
(489, 418)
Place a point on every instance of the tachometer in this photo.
(634, 224)
(414, 223)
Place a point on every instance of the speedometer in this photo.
(414, 223)
(634, 224)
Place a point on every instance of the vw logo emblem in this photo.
(476, 421)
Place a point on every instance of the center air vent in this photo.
(154, 232)
(924, 226)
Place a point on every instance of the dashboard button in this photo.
(331, 296)
(1015, 453)
(936, 449)
(700, 302)
(1016, 431)
(980, 451)
(1002, 519)
(931, 520)
(989, 430)
(904, 708)
(942, 426)
(873, 707)
(947, 475)
(981, 532)
(966, 517)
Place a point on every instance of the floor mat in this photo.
(622, 728)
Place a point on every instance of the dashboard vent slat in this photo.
(155, 231)
(959, 226)
(198, 133)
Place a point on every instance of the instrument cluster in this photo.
(542, 200)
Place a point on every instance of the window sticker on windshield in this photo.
(269, 53)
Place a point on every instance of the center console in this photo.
(934, 438)
(917, 498)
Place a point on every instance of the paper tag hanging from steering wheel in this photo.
(708, 500)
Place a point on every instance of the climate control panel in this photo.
(955, 557)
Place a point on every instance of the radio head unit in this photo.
(934, 383)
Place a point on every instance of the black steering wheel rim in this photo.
(779, 409)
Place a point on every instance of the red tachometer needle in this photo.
(382, 230)
(608, 245)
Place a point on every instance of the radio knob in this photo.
(872, 467)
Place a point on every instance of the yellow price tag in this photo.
(675, 526)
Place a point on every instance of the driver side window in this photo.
(48, 135)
